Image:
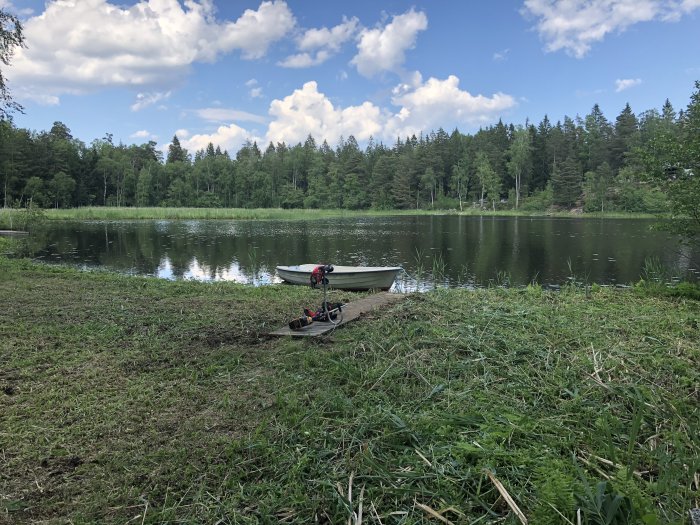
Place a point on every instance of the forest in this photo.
(590, 164)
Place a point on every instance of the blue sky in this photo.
(277, 71)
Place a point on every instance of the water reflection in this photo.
(458, 251)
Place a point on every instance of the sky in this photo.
(277, 71)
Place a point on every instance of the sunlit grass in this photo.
(125, 398)
(10, 218)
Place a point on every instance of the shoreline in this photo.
(107, 213)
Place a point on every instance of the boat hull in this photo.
(344, 277)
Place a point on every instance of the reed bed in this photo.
(12, 218)
(133, 399)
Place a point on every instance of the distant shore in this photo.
(154, 213)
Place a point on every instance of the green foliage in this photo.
(539, 201)
(488, 179)
(539, 165)
(602, 505)
(596, 188)
(11, 37)
(566, 183)
(672, 159)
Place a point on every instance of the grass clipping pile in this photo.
(135, 399)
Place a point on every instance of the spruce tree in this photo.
(566, 182)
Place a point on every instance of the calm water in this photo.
(454, 250)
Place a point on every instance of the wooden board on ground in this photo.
(351, 311)
(13, 232)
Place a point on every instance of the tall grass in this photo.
(7, 215)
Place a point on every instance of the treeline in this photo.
(591, 162)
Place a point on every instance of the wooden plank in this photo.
(351, 311)
(13, 232)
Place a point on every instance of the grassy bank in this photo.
(137, 400)
(10, 216)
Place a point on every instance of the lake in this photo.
(451, 250)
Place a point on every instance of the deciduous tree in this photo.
(11, 37)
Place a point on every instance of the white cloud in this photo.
(331, 39)
(625, 83)
(422, 106)
(81, 45)
(9, 7)
(306, 111)
(229, 138)
(143, 100)
(434, 103)
(255, 90)
(302, 60)
(499, 56)
(319, 44)
(575, 25)
(255, 31)
(182, 133)
(143, 134)
(43, 99)
(224, 115)
(383, 49)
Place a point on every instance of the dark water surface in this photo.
(453, 250)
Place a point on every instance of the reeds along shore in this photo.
(109, 213)
(145, 400)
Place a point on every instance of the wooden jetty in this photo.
(351, 311)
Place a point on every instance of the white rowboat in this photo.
(344, 277)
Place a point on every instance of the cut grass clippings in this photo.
(126, 399)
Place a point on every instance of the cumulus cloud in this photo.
(575, 25)
(625, 83)
(143, 134)
(302, 60)
(420, 106)
(307, 111)
(428, 105)
(255, 31)
(319, 44)
(226, 115)
(255, 90)
(384, 48)
(81, 45)
(143, 100)
(230, 138)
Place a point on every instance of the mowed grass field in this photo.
(135, 400)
